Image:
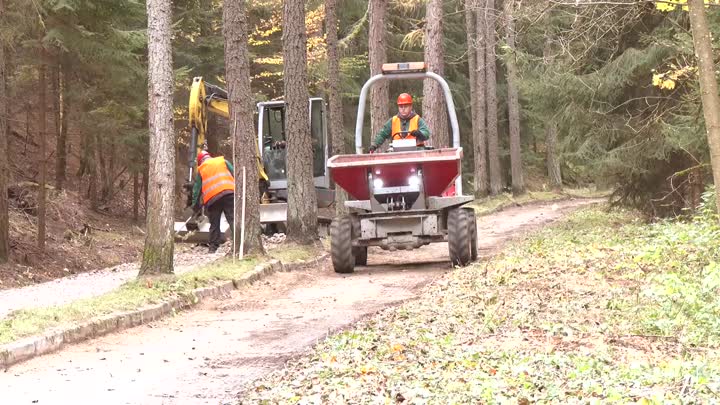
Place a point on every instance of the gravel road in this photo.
(207, 355)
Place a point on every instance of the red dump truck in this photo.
(400, 199)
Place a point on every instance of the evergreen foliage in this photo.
(620, 83)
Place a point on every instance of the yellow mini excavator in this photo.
(206, 98)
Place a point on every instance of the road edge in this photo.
(34, 346)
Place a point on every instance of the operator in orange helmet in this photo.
(406, 124)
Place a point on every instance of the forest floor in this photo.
(78, 240)
(598, 308)
(209, 354)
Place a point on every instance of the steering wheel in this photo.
(403, 134)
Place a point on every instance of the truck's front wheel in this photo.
(341, 250)
(473, 230)
(460, 237)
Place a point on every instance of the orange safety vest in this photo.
(216, 178)
(412, 126)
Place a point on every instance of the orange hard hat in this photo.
(404, 99)
(201, 156)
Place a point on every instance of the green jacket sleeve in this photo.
(423, 128)
(230, 167)
(197, 187)
(383, 134)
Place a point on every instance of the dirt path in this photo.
(207, 355)
(91, 284)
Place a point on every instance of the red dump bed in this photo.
(439, 168)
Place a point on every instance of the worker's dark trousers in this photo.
(215, 210)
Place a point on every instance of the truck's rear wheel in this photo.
(341, 250)
(459, 237)
(473, 228)
(360, 254)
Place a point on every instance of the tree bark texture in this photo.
(237, 72)
(553, 162)
(90, 151)
(159, 243)
(377, 37)
(302, 200)
(491, 99)
(42, 163)
(708, 87)
(434, 108)
(334, 99)
(516, 168)
(136, 196)
(60, 128)
(4, 167)
(480, 139)
(472, 62)
(552, 155)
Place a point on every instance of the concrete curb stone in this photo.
(33, 346)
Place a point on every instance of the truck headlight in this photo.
(414, 181)
(377, 183)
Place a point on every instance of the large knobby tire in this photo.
(341, 249)
(459, 237)
(473, 228)
(360, 254)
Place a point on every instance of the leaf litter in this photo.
(596, 309)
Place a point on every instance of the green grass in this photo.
(130, 296)
(288, 253)
(600, 308)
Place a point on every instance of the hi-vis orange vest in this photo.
(216, 178)
(412, 126)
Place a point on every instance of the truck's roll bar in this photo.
(408, 76)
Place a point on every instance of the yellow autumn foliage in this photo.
(671, 5)
(668, 80)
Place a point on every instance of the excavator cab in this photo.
(273, 138)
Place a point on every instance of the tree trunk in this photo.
(302, 200)
(434, 109)
(159, 243)
(136, 196)
(491, 99)
(102, 165)
(91, 162)
(145, 185)
(61, 129)
(380, 92)
(334, 99)
(708, 87)
(237, 72)
(472, 62)
(4, 166)
(28, 108)
(480, 138)
(42, 164)
(551, 129)
(518, 184)
(55, 91)
(553, 163)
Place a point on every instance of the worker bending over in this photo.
(214, 188)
